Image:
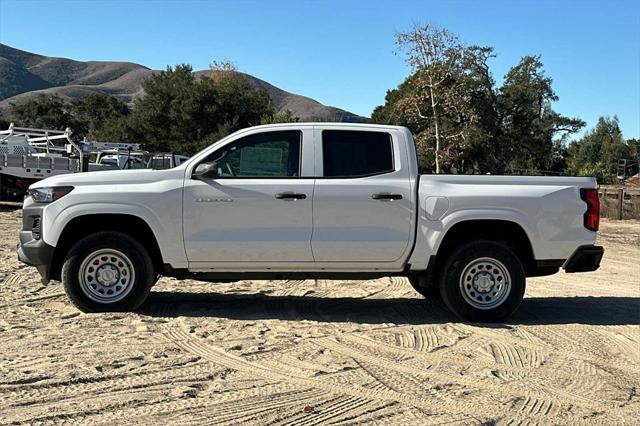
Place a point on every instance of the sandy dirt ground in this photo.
(323, 352)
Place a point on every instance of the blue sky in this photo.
(341, 52)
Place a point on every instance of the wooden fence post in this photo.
(620, 203)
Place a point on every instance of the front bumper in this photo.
(31, 250)
(36, 253)
(584, 259)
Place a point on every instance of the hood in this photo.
(109, 176)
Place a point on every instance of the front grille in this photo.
(35, 229)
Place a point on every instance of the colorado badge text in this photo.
(214, 200)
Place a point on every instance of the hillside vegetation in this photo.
(25, 75)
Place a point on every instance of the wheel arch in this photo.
(86, 224)
(508, 232)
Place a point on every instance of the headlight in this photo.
(47, 195)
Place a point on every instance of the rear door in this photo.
(362, 203)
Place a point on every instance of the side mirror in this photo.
(206, 171)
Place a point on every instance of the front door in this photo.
(256, 208)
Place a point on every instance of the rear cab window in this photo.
(352, 153)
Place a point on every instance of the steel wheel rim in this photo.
(485, 283)
(106, 276)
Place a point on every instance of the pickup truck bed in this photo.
(309, 200)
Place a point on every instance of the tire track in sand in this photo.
(396, 287)
(534, 388)
(220, 357)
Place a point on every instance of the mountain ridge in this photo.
(24, 75)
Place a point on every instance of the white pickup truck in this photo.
(317, 200)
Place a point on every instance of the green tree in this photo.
(169, 117)
(531, 129)
(435, 100)
(49, 112)
(507, 129)
(634, 156)
(394, 112)
(183, 113)
(634, 147)
(280, 117)
(240, 103)
(598, 152)
(94, 116)
(4, 121)
(100, 117)
(390, 112)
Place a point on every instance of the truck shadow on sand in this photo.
(257, 306)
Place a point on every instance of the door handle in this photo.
(287, 196)
(385, 196)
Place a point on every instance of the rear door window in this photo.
(348, 153)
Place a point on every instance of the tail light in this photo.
(592, 215)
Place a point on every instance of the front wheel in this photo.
(425, 286)
(482, 281)
(107, 271)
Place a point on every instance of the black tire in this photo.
(132, 259)
(425, 286)
(460, 298)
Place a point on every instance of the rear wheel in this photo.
(482, 281)
(108, 271)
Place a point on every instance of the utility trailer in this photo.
(28, 155)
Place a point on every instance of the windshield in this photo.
(110, 161)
